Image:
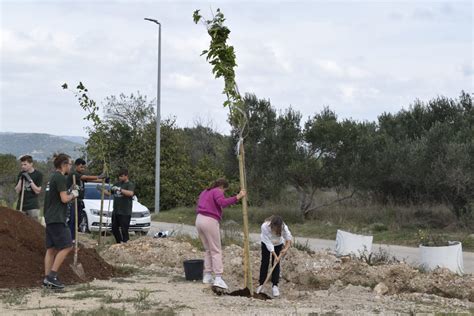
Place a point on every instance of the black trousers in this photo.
(72, 217)
(264, 265)
(120, 225)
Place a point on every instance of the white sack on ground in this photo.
(352, 244)
(449, 257)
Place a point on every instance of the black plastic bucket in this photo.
(193, 269)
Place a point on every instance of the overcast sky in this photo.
(360, 58)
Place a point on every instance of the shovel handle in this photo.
(76, 224)
(22, 194)
(271, 271)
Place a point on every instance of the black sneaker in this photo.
(53, 283)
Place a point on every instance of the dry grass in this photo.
(392, 224)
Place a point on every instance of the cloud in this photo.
(282, 60)
(183, 82)
(12, 42)
(355, 57)
(467, 69)
(335, 69)
(186, 47)
(348, 92)
(352, 92)
(423, 13)
(330, 67)
(447, 8)
(396, 16)
(16, 42)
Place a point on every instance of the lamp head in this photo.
(153, 20)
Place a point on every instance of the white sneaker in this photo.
(207, 278)
(259, 289)
(275, 291)
(220, 283)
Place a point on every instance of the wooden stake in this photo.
(243, 186)
(78, 269)
(101, 210)
(75, 221)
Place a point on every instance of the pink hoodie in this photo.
(212, 201)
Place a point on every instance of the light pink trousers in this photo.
(210, 235)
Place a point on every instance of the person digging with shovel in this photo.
(58, 235)
(28, 187)
(276, 240)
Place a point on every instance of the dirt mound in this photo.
(310, 271)
(22, 249)
(166, 252)
(300, 270)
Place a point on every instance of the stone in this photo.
(380, 289)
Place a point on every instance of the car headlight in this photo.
(146, 213)
(97, 212)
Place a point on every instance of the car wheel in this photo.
(84, 224)
(143, 233)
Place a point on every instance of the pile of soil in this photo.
(22, 250)
(399, 277)
(300, 270)
(246, 293)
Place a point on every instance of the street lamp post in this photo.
(158, 121)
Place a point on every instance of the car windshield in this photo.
(91, 193)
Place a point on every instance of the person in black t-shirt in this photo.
(58, 236)
(79, 171)
(31, 180)
(123, 192)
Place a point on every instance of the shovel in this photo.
(77, 268)
(271, 271)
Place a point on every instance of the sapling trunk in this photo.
(243, 186)
(101, 210)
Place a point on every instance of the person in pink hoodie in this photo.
(209, 214)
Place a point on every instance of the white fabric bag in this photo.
(352, 244)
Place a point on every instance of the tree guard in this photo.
(449, 257)
(352, 244)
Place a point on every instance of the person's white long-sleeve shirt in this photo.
(270, 239)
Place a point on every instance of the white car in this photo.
(90, 217)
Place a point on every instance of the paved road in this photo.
(410, 254)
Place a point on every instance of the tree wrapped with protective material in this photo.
(222, 58)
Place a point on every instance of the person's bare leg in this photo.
(49, 259)
(58, 260)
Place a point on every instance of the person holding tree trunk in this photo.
(123, 192)
(58, 235)
(209, 214)
(78, 172)
(28, 187)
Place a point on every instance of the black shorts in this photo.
(58, 236)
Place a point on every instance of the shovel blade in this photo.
(78, 269)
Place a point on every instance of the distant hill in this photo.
(75, 139)
(40, 146)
